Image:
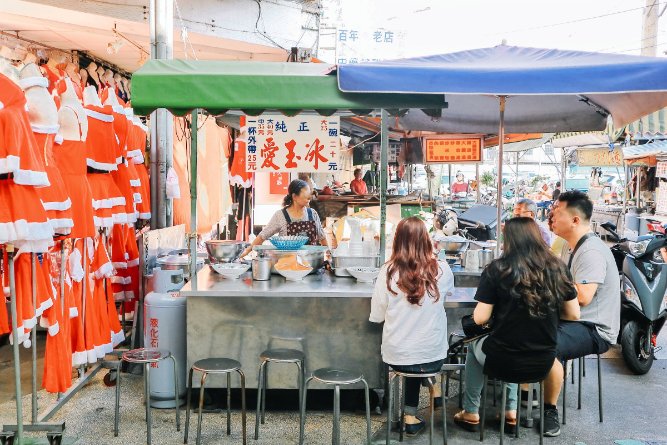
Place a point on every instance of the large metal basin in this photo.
(224, 251)
(314, 255)
(451, 247)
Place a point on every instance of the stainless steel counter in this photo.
(324, 316)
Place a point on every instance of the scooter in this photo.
(643, 274)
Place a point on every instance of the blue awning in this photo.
(642, 151)
(548, 89)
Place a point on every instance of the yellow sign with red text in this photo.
(456, 151)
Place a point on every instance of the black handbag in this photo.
(474, 330)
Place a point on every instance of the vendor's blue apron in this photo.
(306, 228)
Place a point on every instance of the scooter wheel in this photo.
(633, 341)
(110, 378)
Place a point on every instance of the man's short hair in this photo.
(528, 204)
(557, 183)
(356, 170)
(578, 201)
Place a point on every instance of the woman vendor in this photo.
(295, 218)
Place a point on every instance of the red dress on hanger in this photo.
(102, 152)
(70, 157)
(101, 270)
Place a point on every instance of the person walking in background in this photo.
(409, 297)
(595, 275)
(523, 295)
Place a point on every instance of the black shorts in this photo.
(578, 339)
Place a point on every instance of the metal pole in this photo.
(639, 179)
(499, 198)
(153, 119)
(384, 167)
(15, 346)
(563, 162)
(33, 336)
(479, 184)
(516, 181)
(193, 199)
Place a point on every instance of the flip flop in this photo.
(468, 425)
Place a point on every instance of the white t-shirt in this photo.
(412, 334)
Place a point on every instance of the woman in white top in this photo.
(409, 298)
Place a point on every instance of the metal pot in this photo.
(261, 269)
(313, 255)
(179, 261)
(486, 257)
(224, 251)
(451, 247)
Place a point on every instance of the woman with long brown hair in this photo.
(523, 294)
(409, 298)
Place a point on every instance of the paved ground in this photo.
(634, 409)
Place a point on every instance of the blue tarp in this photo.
(548, 90)
(641, 151)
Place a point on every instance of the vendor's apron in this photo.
(306, 228)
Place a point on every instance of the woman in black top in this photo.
(523, 294)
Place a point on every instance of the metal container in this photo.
(261, 268)
(224, 251)
(486, 257)
(341, 263)
(177, 260)
(451, 247)
(314, 255)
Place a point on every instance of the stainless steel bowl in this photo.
(451, 247)
(224, 251)
(314, 255)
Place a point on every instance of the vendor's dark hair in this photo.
(294, 188)
(528, 271)
(578, 201)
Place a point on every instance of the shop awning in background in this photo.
(529, 144)
(644, 154)
(548, 90)
(651, 126)
(254, 87)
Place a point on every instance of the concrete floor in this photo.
(634, 410)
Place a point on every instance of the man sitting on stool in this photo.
(596, 278)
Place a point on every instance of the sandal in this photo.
(468, 425)
(412, 429)
(510, 424)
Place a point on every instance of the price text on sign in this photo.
(598, 157)
(277, 143)
(444, 151)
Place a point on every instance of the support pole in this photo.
(479, 184)
(33, 336)
(499, 198)
(384, 170)
(193, 199)
(15, 346)
(516, 180)
(563, 168)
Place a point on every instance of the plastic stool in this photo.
(216, 366)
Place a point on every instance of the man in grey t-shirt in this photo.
(598, 290)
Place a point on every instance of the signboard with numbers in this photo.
(277, 143)
(456, 151)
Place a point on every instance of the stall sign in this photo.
(452, 151)
(278, 183)
(599, 157)
(277, 143)
(392, 154)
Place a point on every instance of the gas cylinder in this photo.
(165, 329)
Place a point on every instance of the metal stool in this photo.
(146, 357)
(336, 377)
(503, 404)
(446, 369)
(216, 366)
(582, 373)
(276, 356)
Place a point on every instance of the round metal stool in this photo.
(216, 366)
(336, 377)
(444, 372)
(146, 357)
(276, 356)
